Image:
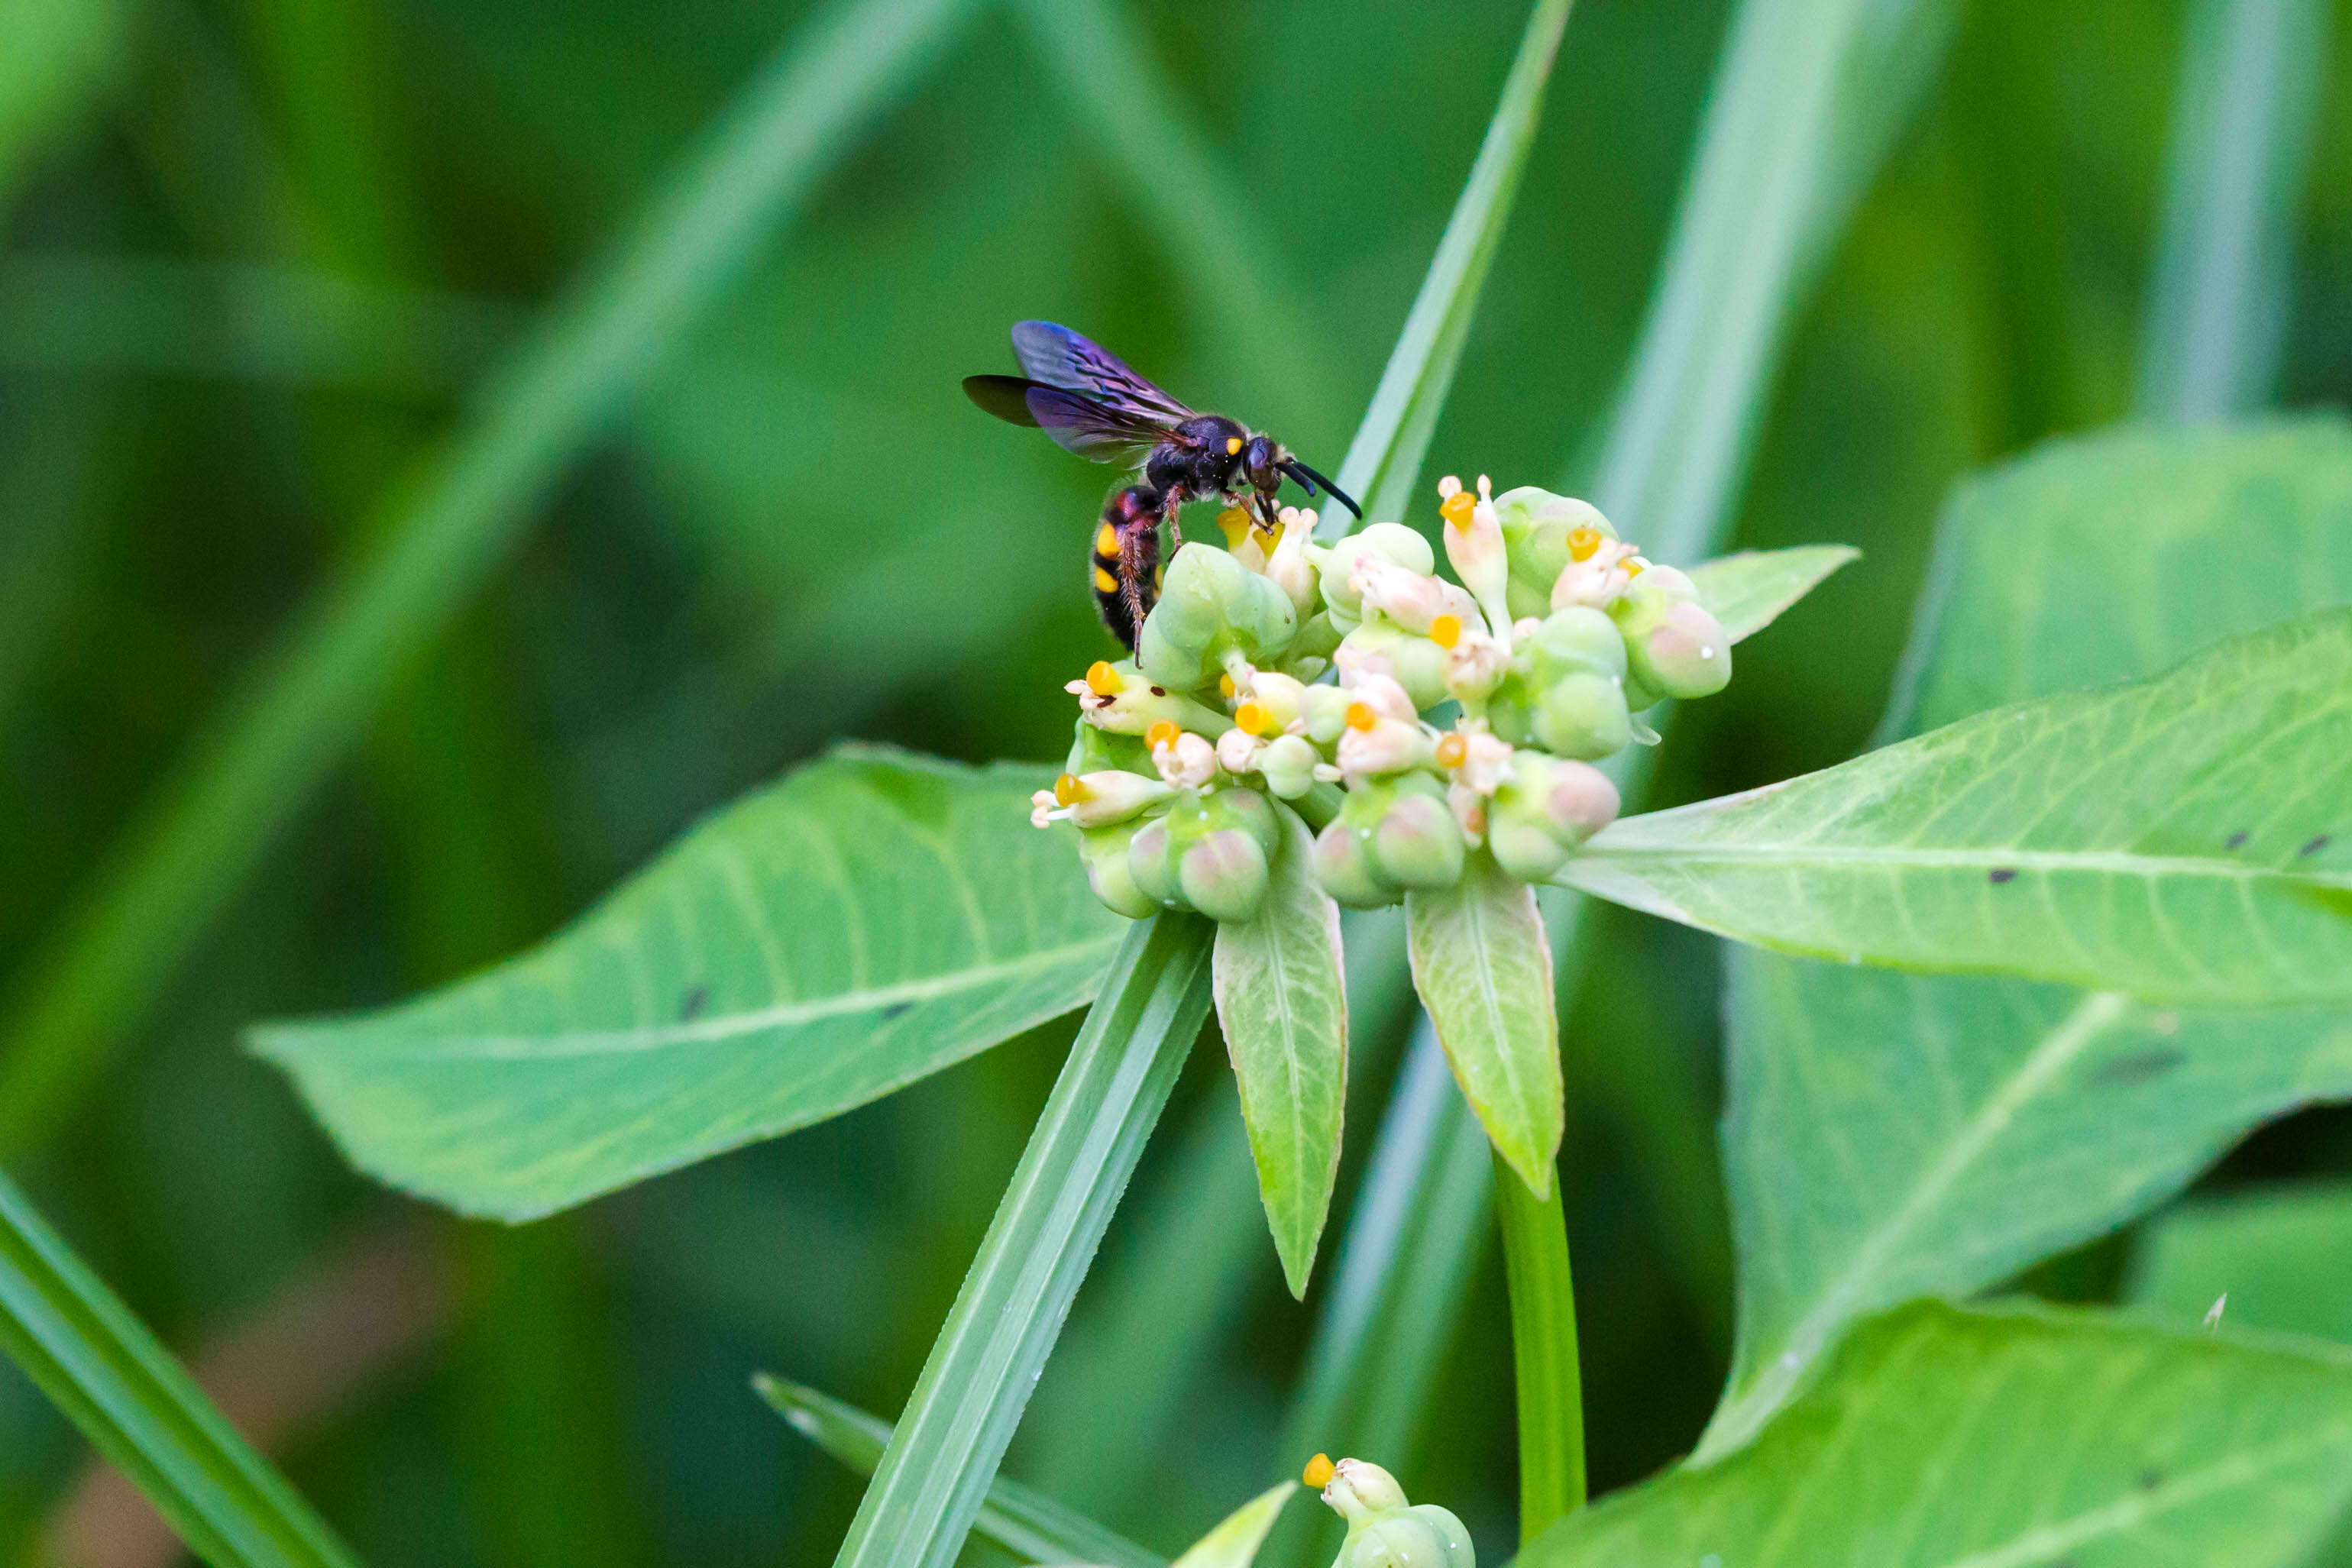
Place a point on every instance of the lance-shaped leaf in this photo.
(1234, 1542)
(1282, 1001)
(1890, 1135)
(1748, 589)
(1483, 967)
(1950, 1439)
(875, 918)
(2186, 840)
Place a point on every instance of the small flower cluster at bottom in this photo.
(1458, 718)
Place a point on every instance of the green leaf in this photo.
(252, 764)
(1029, 1524)
(2282, 1256)
(1483, 967)
(2000, 1121)
(1892, 1136)
(1383, 461)
(2024, 1439)
(1748, 589)
(2112, 557)
(102, 1366)
(993, 1347)
(1283, 1005)
(873, 919)
(1234, 1542)
(2183, 840)
(56, 56)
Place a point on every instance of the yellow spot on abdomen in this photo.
(1106, 542)
(1104, 583)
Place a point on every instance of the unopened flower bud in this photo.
(1411, 661)
(1576, 705)
(1386, 1532)
(1673, 645)
(1224, 874)
(1324, 712)
(1382, 693)
(1344, 864)
(1418, 842)
(1210, 605)
(1238, 751)
(1110, 873)
(1288, 765)
(1545, 810)
(1391, 542)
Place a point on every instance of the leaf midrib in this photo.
(717, 1028)
(1798, 854)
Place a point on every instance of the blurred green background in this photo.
(256, 255)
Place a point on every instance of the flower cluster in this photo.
(1410, 721)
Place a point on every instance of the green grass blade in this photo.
(1384, 460)
(957, 1422)
(2243, 128)
(1543, 1344)
(255, 762)
(1809, 97)
(102, 1366)
(1029, 1524)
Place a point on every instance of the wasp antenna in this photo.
(1308, 477)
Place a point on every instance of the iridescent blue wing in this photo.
(1077, 424)
(1061, 358)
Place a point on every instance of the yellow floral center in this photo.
(1235, 525)
(1254, 719)
(1319, 1471)
(1583, 540)
(1163, 732)
(1453, 751)
(1361, 716)
(1445, 630)
(1069, 789)
(1457, 509)
(1102, 680)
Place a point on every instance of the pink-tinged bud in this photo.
(1391, 542)
(1343, 864)
(1419, 843)
(1681, 652)
(1410, 599)
(1224, 874)
(1544, 813)
(1238, 751)
(1151, 865)
(1474, 666)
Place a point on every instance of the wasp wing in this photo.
(1077, 424)
(1061, 358)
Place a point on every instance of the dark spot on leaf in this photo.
(696, 999)
(2150, 1479)
(1158, 691)
(2318, 843)
(894, 1010)
(2236, 841)
(2140, 1067)
(2001, 873)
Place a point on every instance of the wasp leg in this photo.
(1139, 568)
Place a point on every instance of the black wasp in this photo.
(1090, 403)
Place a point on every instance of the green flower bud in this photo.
(1389, 541)
(1210, 605)
(1544, 810)
(1538, 527)
(1325, 710)
(1409, 658)
(1288, 765)
(1209, 853)
(1110, 873)
(1418, 844)
(1573, 700)
(1384, 1530)
(1673, 646)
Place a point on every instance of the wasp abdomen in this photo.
(1124, 564)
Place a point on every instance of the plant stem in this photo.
(945, 1449)
(1543, 1351)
